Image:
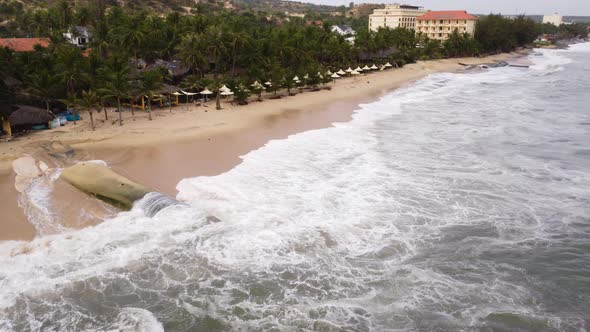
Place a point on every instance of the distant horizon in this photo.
(504, 7)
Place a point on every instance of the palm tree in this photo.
(115, 78)
(216, 85)
(42, 85)
(189, 51)
(240, 40)
(70, 67)
(90, 101)
(150, 82)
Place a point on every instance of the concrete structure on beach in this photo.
(554, 19)
(440, 24)
(395, 16)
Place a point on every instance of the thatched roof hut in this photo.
(29, 115)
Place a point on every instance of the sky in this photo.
(507, 7)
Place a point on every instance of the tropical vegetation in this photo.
(133, 53)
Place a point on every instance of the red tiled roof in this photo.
(447, 15)
(23, 44)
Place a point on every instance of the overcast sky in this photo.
(531, 7)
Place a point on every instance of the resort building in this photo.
(79, 36)
(554, 19)
(395, 16)
(345, 31)
(440, 24)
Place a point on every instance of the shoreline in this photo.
(203, 141)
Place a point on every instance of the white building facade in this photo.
(79, 36)
(395, 16)
(554, 19)
(441, 24)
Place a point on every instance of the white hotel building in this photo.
(395, 16)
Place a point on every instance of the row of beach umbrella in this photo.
(225, 91)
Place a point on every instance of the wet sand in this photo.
(13, 224)
(203, 141)
(163, 165)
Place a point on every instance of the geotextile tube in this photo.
(100, 181)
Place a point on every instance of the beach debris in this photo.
(27, 169)
(43, 167)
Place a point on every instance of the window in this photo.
(441, 21)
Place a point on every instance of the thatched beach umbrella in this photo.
(354, 72)
(206, 92)
(366, 68)
(387, 65)
(29, 115)
(341, 72)
(358, 69)
(349, 70)
(225, 93)
(175, 93)
(373, 67)
(187, 94)
(328, 72)
(334, 76)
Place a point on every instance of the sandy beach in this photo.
(201, 140)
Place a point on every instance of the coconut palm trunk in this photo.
(91, 114)
(149, 108)
(119, 108)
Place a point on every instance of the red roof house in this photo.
(447, 15)
(23, 44)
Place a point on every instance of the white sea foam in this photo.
(344, 226)
(135, 320)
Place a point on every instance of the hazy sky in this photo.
(532, 7)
